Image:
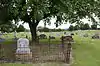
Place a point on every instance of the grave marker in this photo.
(23, 51)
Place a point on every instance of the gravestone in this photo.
(51, 37)
(85, 35)
(23, 51)
(42, 36)
(96, 36)
(72, 34)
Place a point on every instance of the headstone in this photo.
(57, 34)
(96, 36)
(51, 37)
(72, 34)
(85, 35)
(23, 46)
(42, 36)
(23, 51)
(67, 38)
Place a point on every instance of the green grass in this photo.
(8, 42)
(14, 64)
(52, 41)
(37, 64)
(86, 53)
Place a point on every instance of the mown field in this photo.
(85, 50)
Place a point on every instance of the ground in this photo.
(85, 51)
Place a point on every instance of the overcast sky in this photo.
(63, 26)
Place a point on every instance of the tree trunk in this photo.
(33, 31)
(32, 26)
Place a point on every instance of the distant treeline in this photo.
(83, 27)
(48, 30)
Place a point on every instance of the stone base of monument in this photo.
(24, 56)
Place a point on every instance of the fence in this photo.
(40, 52)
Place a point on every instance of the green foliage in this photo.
(33, 11)
(71, 28)
(94, 27)
(86, 26)
(64, 10)
(4, 11)
(8, 27)
(80, 26)
(45, 29)
(20, 28)
(76, 27)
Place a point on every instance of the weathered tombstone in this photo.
(72, 34)
(85, 35)
(96, 36)
(23, 51)
(51, 37)
(67, 40)
(42, 36)
(57, 34)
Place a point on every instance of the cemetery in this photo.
(53, 50)
(41, 52)
(96, 36)
(49, 32)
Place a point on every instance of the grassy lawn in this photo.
(85, 51)
(38, 64)
(14, 64)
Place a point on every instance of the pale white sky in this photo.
(63, 26)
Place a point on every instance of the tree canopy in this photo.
(33, 11)
(68, 10)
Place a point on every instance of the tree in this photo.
(20, 28)
(93, 27)
(86, 26)
(71, 28)
(76, 27)
(8, 27)
(4, 10)
(33, 11)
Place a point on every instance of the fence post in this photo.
(38, 39)
(49, 43)
(68, 52)
(66, 40)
